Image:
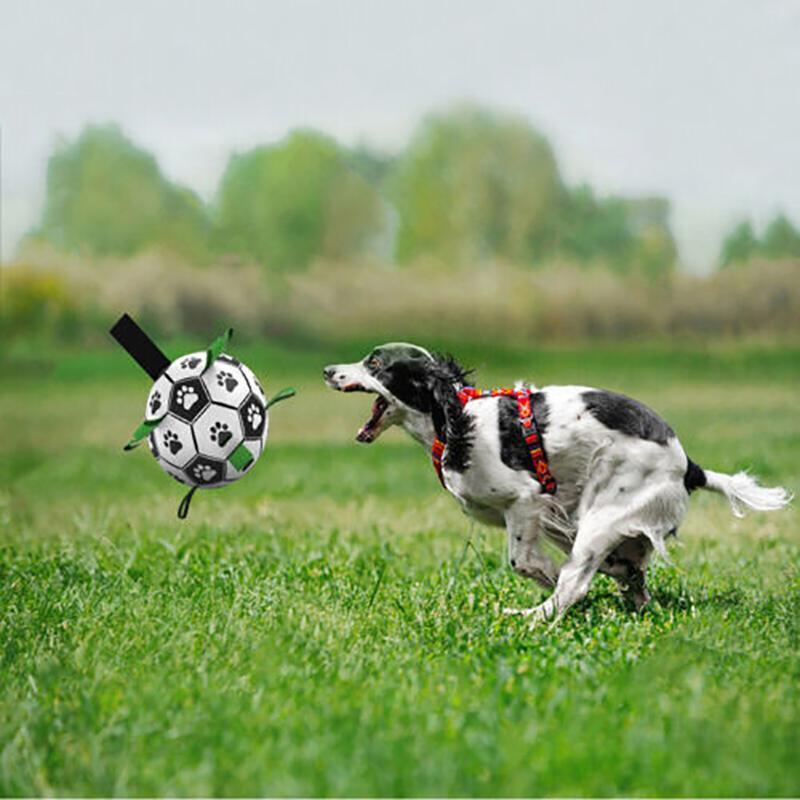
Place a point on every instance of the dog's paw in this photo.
(518, 612)
(636, 598)
(544, 612)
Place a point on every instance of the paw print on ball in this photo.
(188, 399)
(225, 384)
(188, 366)
(226, 380)
(173, 442)
(218, 431)
(156, 405)
(205, 471)
(254, 417)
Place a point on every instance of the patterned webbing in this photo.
(530, 433)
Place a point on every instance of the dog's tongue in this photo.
(367, 432)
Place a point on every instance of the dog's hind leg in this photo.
(597, 537)
(655, 511)
(627, 564)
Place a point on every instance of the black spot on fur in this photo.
(541, 411)
(626, 415)
(694, 477)
(514, 452)
(409, 382)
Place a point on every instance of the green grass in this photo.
(331, 624)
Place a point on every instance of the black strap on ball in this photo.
(183, 508)
(140, 347)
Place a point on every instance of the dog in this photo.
(619, 478)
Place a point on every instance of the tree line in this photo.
(779, 240)
(470, 186)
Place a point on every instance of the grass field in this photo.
(331, 624)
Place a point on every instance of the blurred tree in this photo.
(371, 164)
(592, 227)
(740, 245)
(107, 197)
(285, 204)
(781, 239)
(627, 234)
(471, 186)
(475, 185)
(647, 219)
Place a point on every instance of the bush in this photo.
(338, 301)
(39, 302)
(165, 293)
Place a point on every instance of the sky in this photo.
(696, 100)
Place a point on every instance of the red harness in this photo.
(530, 433)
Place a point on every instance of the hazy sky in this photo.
(697, 100)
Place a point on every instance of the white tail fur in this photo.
(742, 490)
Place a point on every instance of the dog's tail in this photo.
(741, 489)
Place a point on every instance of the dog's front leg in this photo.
(524, 545)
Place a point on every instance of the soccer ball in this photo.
(216, 420)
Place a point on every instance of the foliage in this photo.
(473, 185)
(285, 204)
(373, 165)
(740, 245)
(105, 196)
(560, 301)
(594, 226)
(330, 626)
(40, 302)
(50, 295)
(780, 240)
(333, 301)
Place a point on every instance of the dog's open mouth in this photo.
(371, 427)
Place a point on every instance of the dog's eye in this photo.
(374, 362)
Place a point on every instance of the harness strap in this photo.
(530, 433)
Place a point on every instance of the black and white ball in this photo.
(210, 412)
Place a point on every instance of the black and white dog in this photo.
(623, 478)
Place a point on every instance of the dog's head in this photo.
(409, 382)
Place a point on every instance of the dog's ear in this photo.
(445, 377)
(439, 420)
(447, 368)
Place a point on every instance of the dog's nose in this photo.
(327, 373)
